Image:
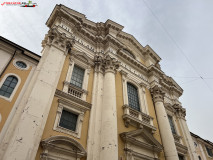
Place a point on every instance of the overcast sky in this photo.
(180, 32)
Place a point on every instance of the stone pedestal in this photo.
(28, 130)
(164, 126)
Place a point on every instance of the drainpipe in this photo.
(7, 64)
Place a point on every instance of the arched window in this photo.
(133, 97)
(8, 86)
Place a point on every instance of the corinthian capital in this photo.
(157, 94)
(106, 63)
(59, 40)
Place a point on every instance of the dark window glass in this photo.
(8, 86)
(21, 64)
(199, 158)
(171, 124)
(133, 97)
(181, 157)
(209, 151)
(77, 76)
(68, 120)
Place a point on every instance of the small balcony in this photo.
(137, 119)
(73, 90)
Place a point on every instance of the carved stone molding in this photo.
(157, 94)
(180, 111)
(59, 40)
(106, 63)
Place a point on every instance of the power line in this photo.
(176, 44)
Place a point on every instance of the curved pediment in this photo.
(62, 147)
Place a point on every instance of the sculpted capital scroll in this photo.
(59, 40)
(105, 63)
(157, 94)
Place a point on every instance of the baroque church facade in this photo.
(95, 94)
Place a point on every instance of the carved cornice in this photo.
(62, 145)
(149, 51)
(69, 99)
(180, 111)
(157, 94)
(105, 63)
(59, 40)
(181, 148)
(135, 63)
(168, 83)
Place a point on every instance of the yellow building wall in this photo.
(6, 106)
(48, 130)
(155, 123)
(120, 121)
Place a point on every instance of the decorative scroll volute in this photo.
(157, 94)
(59, 40)
(106, 63)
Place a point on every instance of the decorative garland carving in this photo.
(157, 94)
(59, 40)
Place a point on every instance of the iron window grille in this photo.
(133, 97)
(68, 120)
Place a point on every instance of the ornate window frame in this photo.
(15, 89)
(73, 105)
(62, 147)
(19, 59)
(81, 60)
(63, 106)
(141, 92)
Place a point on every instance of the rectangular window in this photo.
(68, 120)
(209, 151)
(77, 76)
(171, 124)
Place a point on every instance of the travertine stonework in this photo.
(122, 101)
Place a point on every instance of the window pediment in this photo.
(141, 138)
(62, 147)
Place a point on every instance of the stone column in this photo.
(181, 113)
(94, 133)
(25, 139)
(109, 135)
(164, 126)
